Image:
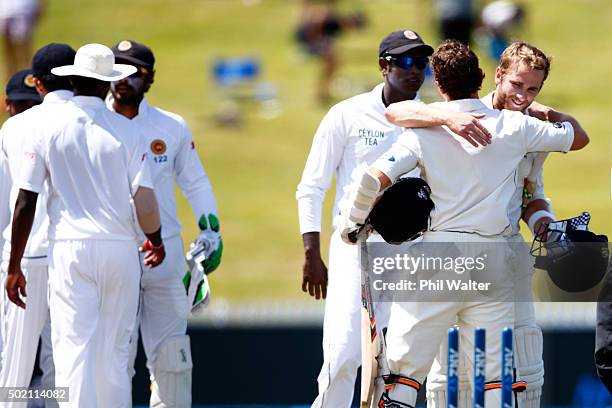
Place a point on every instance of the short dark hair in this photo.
(456, 69)
(54, 83)
(88, 86)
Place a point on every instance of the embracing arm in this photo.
(413, 114)
(548, 114)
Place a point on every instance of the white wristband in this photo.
(536, 216)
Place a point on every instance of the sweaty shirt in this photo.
(94, 165)
(473, 186)
(172, 154)
(352, 135)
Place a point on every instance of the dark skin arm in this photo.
(23, 218)
(314, 279)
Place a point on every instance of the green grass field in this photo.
(255, 169)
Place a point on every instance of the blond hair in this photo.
(522, 52)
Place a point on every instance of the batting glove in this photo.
(211, 237)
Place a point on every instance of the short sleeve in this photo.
(547, 137)
(139, 172)
(402, 158)
(34, 170)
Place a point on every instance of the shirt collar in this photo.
(377, 96)
(488, 100)
(88, 101)
(61, 95)
(466, 105)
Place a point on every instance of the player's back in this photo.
(473, 186)
(93, 157)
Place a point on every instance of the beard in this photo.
(130, 93)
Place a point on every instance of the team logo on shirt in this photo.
(29, 81)
(371, 136)
(158, 146)
(124, 45)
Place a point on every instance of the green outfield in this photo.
(255, 169)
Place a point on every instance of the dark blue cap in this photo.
(51, 56)
(21, 87)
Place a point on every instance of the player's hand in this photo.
(314, 279)
(468, 126)
(154, 255)
(16, 286)
(209, 227)
(539, 111)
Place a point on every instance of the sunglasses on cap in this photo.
(408, 62)
(141, 71)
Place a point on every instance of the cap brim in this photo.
(410, 47)
(119, 72)
(132, 60)
(24, 96)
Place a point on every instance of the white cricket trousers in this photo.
(93, 301)
(342, 326)
(164, 306)
(525, 330)
(417, 329)
(22, 328)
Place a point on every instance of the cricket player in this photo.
(519, 77)
(98, 177)
(164, 306)
(353, 134)
(24, 327)
(472, 194)
(21, 93)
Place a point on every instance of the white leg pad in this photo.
(171, 385)
(530, 367)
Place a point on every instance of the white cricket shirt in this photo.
(473, 186)
(531, 168)
(13, 136)
(172, 154)
(352, 135)
(95, 162)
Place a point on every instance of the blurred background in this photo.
(253, 78)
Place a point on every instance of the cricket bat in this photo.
(371, 344)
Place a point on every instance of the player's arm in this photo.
(537, 210)
(548, 114)
(147, 212)
(33, 174)
(414, 114)
(23, 218)
(401, 159)
(323, 159)
(197, 188)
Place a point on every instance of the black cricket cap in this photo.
(21, 87)
(134, 53)
(400, 42)
(51, 56)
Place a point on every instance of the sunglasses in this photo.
(141, 71)
(408, 62)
